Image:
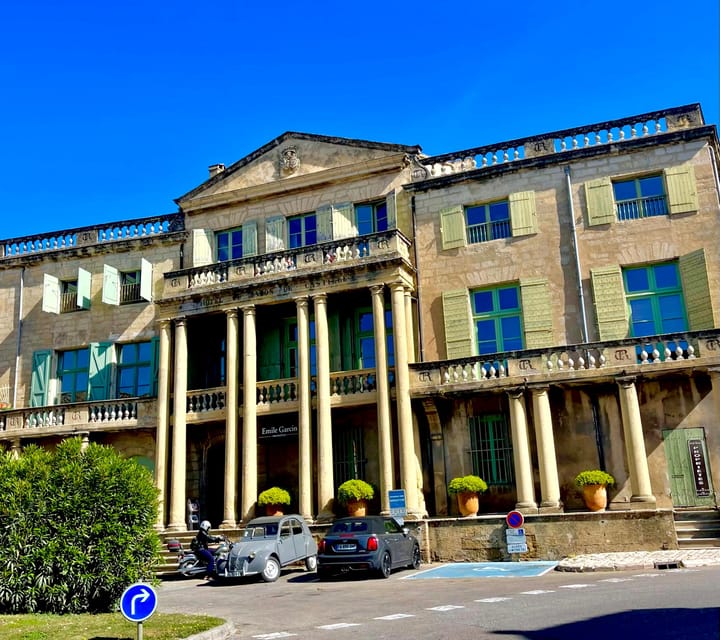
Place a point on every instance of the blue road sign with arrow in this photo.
(138, 602)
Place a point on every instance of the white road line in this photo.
(496, 599)
(395, 616)
(646, 575)
(446, 607)
(536, 592)
(338, 625)
(575, 586)
(277, 634)
(616, 580)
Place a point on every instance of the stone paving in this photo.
(620, 560)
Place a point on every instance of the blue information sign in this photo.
(398, 507)
(138, 602)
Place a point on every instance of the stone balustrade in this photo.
(113, 411)
(277, 391)
(347, 383)
(206, 400)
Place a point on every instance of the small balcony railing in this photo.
(488, 231)
(642, 208)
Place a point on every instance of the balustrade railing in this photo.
(117, 411)
(642, 208)
(206, 400)
(347, 383)
(277, 391)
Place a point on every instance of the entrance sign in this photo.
(398, 506)
(699, 468)
(515, 519)
(138, 602)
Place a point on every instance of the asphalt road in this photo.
(662, 605)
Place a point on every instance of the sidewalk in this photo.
(620, 560)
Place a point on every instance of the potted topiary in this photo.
(354, 494)
(467, 489)
(274, 499)
(593, 485)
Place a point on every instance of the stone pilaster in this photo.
(231, 424)
(304, 411)
(547, 460)
(179, 436)
(163, 422)
(326, 489)
(249, 450)
(521, 452)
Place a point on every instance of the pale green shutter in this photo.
(40, 378)
(51, 294)
(249, 239)
(343, 225)
(275, 234)
(111, 285)
(681, 190)
(537, 313)
(452, 227)
(459, 341)
(523, 216)
(610, 305)
(324, 223)
(83, 289)
(696, 289)
(269, 354)
(202, 247)
(146, 280)
(100, 370)
(600, 201)
(335, 342)
(391, 203)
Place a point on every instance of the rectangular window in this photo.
(68, 296)
(302, 230)
(365, 339)
(291, 349)
(73, 370)
(497, 317)
(135, 370)
(229, 244)
(487, 222)
(130, 287)
(349, 454)
(640, 197)
(491, 449)
(371, 218)
(655, 299)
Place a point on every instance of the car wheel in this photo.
(311, 563)
(385, 565)
(416, 558)
(271, 572)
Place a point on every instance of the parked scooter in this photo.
(190, 564)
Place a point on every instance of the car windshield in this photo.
(260, 531)
(357, 526)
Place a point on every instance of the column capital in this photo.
(516, 393)
(164, 322)
(231, 313)
(320, 297)
(626, 381)
(376, 289)
(180, 321)
(397, 286)
(538, 388)
(248, 309)
(302, 301)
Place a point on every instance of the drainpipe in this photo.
(421, 346)
(577, 254)
(19, 338)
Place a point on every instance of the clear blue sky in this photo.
(110, 110)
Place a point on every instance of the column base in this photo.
(526, 507)
(636, 502)
(324, 517)
(551, 506)
(228, 524)
(177, 527)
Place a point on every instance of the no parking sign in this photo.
(515, 519)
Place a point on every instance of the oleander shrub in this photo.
(274, 495)
(76, 528)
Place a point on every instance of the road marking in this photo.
(339, 625)
(493, 569)
(446, 607)
(616, 580)
(647, 575)
(395, 616)
(575, 586)
(536, 592)
(277, 634)
(493, 600)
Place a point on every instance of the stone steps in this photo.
(697, 529)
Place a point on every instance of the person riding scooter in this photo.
(200, 546)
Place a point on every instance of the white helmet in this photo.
(205, 526)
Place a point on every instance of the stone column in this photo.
(385, 446)
(326, 488)
(547, 460)
(635, 443)
(15, 448)
(521, 452)
(231, 424)
(249, 449)
(408, 474)
(163, 424)
(304, 411)
(179, 436)
(409, 328)
(84, 440)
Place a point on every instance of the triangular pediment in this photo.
(291, 156)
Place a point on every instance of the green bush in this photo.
(467, 484)
(76, 529)
(274, 495)
(354, 490)
(595, 476)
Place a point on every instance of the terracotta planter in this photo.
(595, 496)
(274, 509)
(357, 508)
(468, 503)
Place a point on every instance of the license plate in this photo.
(345, 547)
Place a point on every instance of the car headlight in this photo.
(251, 556)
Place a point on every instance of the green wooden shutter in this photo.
(343, 221)
(391, 205)
(51, 294)
(336, 352)
(40, 378)
(600, 201)
(324, 223)
(249, 239)
(275, 234)
(523, 215)
(203, 243)
(681, 189)
(610, 306)
(537, 313)
(696, 289)
(100, 370)
(83, 289)
(111, 285)
(154, 365)
(269, 354)
(146, 280)
(459, 341)
(452, 227)
(349, 361)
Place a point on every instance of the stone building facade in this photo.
(328, 308)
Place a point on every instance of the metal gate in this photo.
(688, 468)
